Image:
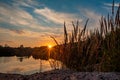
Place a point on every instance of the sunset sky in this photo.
(31, 22)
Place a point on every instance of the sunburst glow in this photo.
(49, 46)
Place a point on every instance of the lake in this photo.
(24, 65)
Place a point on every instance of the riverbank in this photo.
(63, 75)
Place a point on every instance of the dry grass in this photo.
(98, 51)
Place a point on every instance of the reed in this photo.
(97, 51)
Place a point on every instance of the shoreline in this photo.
(63, 75)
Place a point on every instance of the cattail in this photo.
(113, 8)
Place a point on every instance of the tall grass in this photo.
(97, 51)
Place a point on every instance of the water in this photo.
(22, 65)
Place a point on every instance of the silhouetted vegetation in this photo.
(6, 51)
(36, 53)
(40, 53)
(97, 50)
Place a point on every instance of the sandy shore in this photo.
(63, 75)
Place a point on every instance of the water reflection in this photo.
(23, 65)
(22, 58)
(6, 59)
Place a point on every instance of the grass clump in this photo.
(97, 51)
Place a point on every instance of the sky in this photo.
(32, 22)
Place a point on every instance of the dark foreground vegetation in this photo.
(96, 50)
(82, 50)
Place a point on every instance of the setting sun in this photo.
(49, 46)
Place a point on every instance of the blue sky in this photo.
(31, 22)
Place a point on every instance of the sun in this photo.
(49, 46)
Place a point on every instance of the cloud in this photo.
(109, 4)
(6, 41)
(15, 16)
(24, 27)
(29, 38)
(93, 17)
(56, 17)
(17, 31)
(27, 3)
(21, 19)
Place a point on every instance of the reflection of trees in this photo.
(20, 59)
